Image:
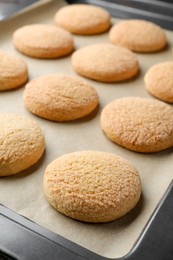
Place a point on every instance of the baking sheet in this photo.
(23, 193)
(13, 8)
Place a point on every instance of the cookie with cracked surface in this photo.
(159, 81)
(83, 19)
(92, 186)
(139, 124)
(60, 97)
(138, 35)
(13, 71)
(105, 62)
(43, 41)
(21, 143)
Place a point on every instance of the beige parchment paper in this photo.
(23, 193)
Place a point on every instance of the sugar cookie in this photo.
(92, 186)
(139, 124)
(60, 97)
(21, 143)
(159, 81)
(105, 62)
(138, 35)
(43, 41)
(83, 19)
(13, 71)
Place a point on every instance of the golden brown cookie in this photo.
(21, 143)
(138, 35)
(13, 71)
(92, 186)
(83, 19)
(60, 97)
(43, 41)
(159, 81)
(105, 62)
(139, 124)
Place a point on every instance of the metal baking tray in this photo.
(10, 8)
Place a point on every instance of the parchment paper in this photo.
(23, 193)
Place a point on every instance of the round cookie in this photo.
(21, 144)
(159, 81)
(105, 62)
(139, 124)
(138, 35)
(43, 41)
(13, 71)
(83, 19)
(60, 97)
(92, 186)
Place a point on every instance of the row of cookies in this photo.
(102, 62)
(137, 35)
(14, 71)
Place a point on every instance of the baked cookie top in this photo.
(159, 81)
(83, 19)
(139, 124)
(43, 41)
(92, 186)
(138, 35)
(13, 71)
(60, 97)
(105, 62)
(21, 143)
